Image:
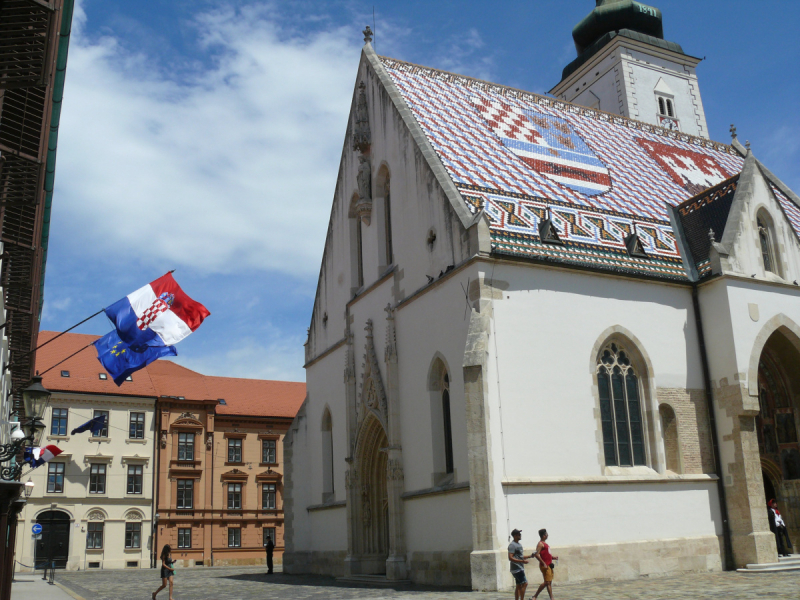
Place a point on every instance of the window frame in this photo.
(62, 418)
(133, 531)
(183, 532)
(265, 494)
(234, 493)
(233, 445)
(55, 477)
(135, 425)
(184, 487)
(236, 534)
(266, 450)
(765, 231)
(92, 530)
(132, 477)
(186, 445)
(104, 431)
(97, 478)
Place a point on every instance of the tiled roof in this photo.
(703, 213)
(790, 208)
(516, 154)
(246, 397)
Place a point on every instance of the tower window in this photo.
(665, 107)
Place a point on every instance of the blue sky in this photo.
(205, 137)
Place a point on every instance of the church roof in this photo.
(600, 177)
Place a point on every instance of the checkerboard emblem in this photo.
(691, 170)
(547, 144)
(159, 305)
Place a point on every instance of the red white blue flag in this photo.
(158, 314)
(36, 457)
(547, 144)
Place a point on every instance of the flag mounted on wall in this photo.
(120, 360)
(96, 425)
(38, 456)
(158, 314)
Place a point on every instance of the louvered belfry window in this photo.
(620, 408)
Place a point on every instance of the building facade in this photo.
(531, 314)
(94, 501)
(220, 484)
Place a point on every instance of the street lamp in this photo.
(28, 488)
(35, 399)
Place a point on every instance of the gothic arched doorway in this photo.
(778, 424)
(53, 546)
(371, 539)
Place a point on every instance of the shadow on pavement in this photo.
(323, 581)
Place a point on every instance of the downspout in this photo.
(156, 487)
(52, 140)
(723, 504)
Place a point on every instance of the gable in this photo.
(515, 155)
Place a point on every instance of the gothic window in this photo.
(360, 251)
(767, 243)
(441, 422)
(448, 431)
(620, 408)
(327, 456)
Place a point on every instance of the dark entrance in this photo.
(54, 545)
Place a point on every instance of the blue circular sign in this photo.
(37, 529)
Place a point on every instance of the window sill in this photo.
(94, 551)
(61, 438)
(234, 464)
(133, 550)
(609, 480)
(99, 440)
(135, 441)
(98, 495)
(272, 464)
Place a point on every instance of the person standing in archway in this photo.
(778, 527)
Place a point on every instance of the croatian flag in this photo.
(38, 456)
(158, 314)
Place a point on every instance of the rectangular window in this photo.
(269, 534)
(55, 478)
(135, 475)
(234, 450)
(133, 535)
(235, 496)
(103, 432)
(94, 536)
(137, 426)
(269, 451)
(185, 493)
(186, 446)
(185, 537)
(97, 479)
(268, 496)
(234, 537)
(59, 424)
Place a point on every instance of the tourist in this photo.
(517, 559)
(167, 570)
(270, 549)
(545, 564)
(778, 527)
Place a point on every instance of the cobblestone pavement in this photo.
(252, 583)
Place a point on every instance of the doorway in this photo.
(54, 543)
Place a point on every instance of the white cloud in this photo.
(223, 163)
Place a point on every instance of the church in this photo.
(574, 312)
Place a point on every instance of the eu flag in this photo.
(120, 360)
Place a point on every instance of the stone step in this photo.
(373, 580)
(783, 561)
(774, 568)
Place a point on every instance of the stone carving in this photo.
(363, 207)
(134, 515)
(96, 515)
(349, 360)
(351, 478)
(366, 511)
(188, 415)
(367, 35)
(390, 354)
(373, 394)
(394, 470)
(163, 438)
(209, 441)
(362, 137)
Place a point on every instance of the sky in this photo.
(205, 137)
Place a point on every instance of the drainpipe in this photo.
(723, 504)
(155, 486)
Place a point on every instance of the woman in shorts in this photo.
(167, 570)
(545, 559)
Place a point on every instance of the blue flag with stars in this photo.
(120, 360)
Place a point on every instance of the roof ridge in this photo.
(710, 190)
(564, 105)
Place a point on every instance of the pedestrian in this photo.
(167, 570)
(778, 527)
(517, 559)
(270, 549)
(545, 564)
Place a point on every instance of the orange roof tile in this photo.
(245, 397)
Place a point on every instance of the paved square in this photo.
(248, 583)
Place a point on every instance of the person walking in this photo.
(167, 570)
(545, 564)
(518, 562)
(778, 527)
(270, 549)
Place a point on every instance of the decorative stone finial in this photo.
(747, 144)
(733, 131)
(367, 35)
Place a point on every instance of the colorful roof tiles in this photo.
(516, 155)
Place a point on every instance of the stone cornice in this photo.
(608, 480)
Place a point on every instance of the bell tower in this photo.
(625, 66)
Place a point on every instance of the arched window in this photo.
(767, 242)
(387, 212)
(327, 456)
(620, 408)
(441, 423)
(669, 428)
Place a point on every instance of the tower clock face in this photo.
(668, 123)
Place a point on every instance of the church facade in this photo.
(542, 312)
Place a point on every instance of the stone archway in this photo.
(371, 526)
(778, 423)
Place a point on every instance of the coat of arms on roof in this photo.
(691, 170)
(547, 144)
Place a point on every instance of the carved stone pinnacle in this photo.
(367, 35)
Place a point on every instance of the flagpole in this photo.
(66, 359)
(55, 338)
